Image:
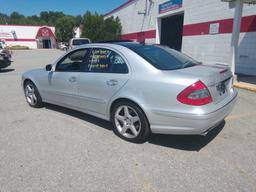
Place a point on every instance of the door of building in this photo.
(47, 44)
(171, 31)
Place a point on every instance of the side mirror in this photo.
(48, 67)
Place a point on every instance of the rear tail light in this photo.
(196, 94)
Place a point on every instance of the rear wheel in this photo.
(32, 95)
(130, 122)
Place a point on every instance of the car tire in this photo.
(32, 95)
(130, 122)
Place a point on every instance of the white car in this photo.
(2, 44)
(5, 57)
(74, 42)
(142, 89)
(63, 46)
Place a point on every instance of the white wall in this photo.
(24, 35)
(133, 22)
(247, 54)
(198, 11)
(216, 48)
(206, 48)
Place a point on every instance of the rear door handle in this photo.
(72, 79)
(112, 82)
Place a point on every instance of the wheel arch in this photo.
(123, 99)
(27, 79)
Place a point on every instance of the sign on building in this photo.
(214, 28)
(169, 6)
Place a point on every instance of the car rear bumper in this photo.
(191, 124)
(4, 63)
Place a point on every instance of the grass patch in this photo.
(17, 47)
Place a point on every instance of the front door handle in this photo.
(112, 82)
(72, 79)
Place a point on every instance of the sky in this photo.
(72, 7)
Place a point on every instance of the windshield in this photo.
(80, 41)
(164, 58)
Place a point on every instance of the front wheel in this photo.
(32, 95)
(130, 122)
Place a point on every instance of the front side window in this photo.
(106, 61)
(72, 62)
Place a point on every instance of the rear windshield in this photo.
(164, 58)
(80, 41)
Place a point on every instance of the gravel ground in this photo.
(56, 149)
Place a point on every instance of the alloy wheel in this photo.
(30, 94)
(127, 121)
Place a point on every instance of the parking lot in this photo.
(57, 149)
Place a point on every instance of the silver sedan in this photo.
(142, 89)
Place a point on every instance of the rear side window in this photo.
(163, 58)
(80, 41)
(105, 61)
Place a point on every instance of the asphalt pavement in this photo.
(54, 149)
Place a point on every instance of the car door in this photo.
(106, 72)
(62, 82)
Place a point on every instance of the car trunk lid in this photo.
(217, 78)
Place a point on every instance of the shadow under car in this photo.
(181, 142)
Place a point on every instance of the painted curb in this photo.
(246, 86)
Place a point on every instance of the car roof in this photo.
(126, 44)
(130, 44)
(80, 38)
(116, 44)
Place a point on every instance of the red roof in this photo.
(45, 32)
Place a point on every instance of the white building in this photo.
(199, 28)
(78, 32)
(32, 36)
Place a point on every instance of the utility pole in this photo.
(236, 33)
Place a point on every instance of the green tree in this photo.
(16, 18)
(35, 20)
(16, 15)
(78, 20)
(94, 25)
(4, 19)
(50, 18)
(64, 28)
(112, 28)
(98, 29)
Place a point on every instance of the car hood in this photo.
(35, 70)
(33, 73)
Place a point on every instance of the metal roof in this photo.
(250, 1)
(245, 1)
